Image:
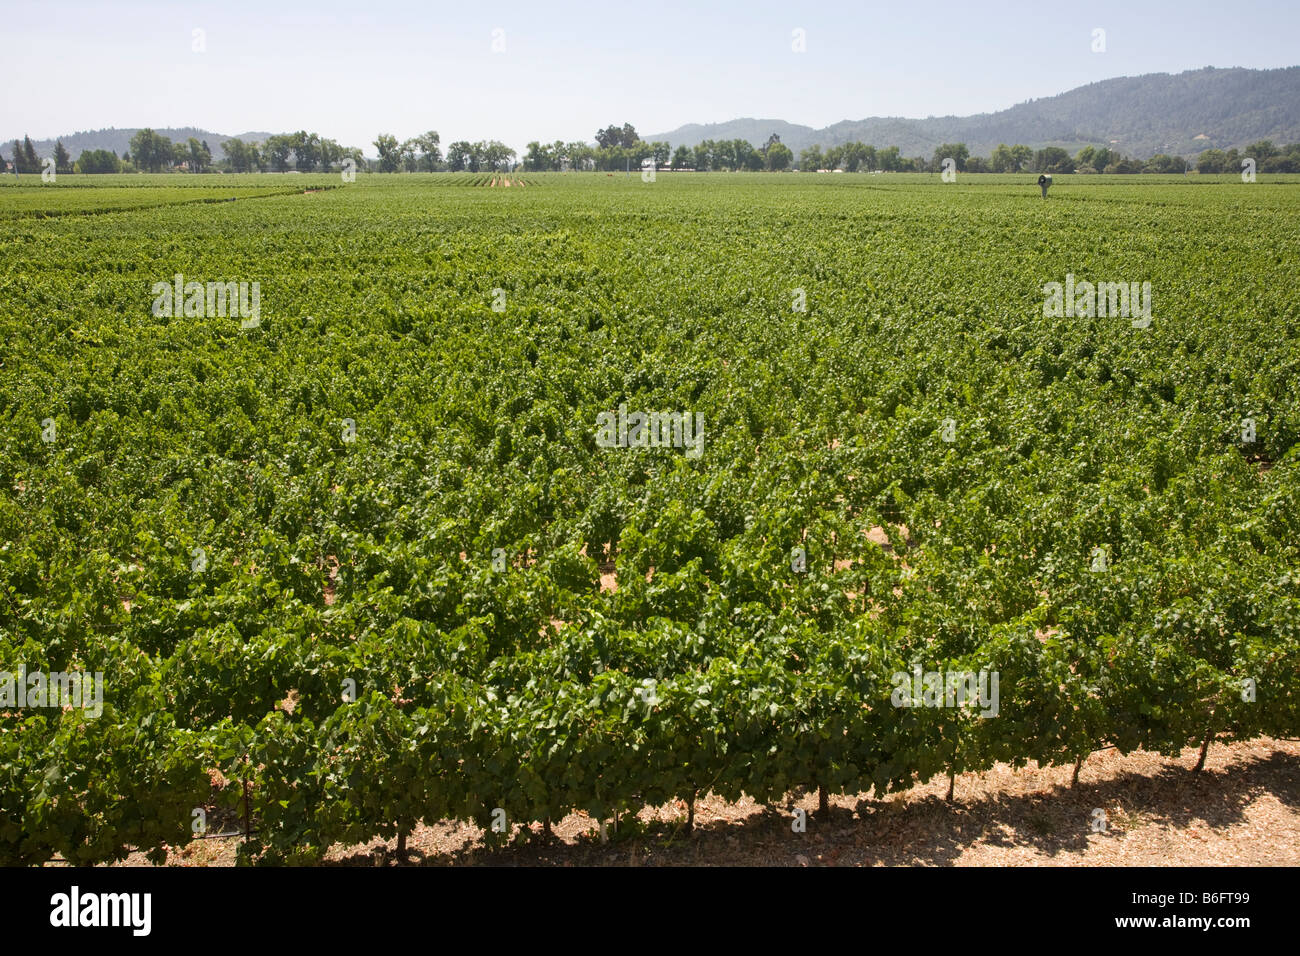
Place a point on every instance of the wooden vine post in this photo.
(248, 825)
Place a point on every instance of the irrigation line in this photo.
(222, 836)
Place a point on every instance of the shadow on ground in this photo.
(1058, 821)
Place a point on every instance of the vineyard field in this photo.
(434, 501)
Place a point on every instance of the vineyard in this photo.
(367, 561)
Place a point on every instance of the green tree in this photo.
(954, 151)
(859, 156)
(779, 157)
(682, 158)
(276, 150)
(1123, 165)
(62, 161)
(612, 136)
(724, 154)
(460, 156)
(1261, 150)
(237, 152)
(25, 160)
(1053, 159)
(30, 159)
(151, 151)
(331, 153)
(580, 155)
(199, 156)
(703, 155)
(1162, 163)
(494, 155)
(810, 159)
(559, 155)
(537, 157)
(1281, 163)
(1211, 161)
(306, 150)
(98, 161)
(390, 155)
(428, 147)
(1010, 159)
(746, 156)
(410, 156)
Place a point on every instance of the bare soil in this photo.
(1142, 809)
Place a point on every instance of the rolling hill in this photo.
(1179, 114)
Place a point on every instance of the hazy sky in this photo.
(350, 70)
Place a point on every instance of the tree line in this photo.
(302, 151)
(620, 147)
(423, 154)
(154, 153)
(1091, 159)
(151, 152)
(1268, 159)
(26, 161)
(616, 148)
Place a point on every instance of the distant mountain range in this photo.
(1178, 114)
(1140, 116)
(119, 140)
